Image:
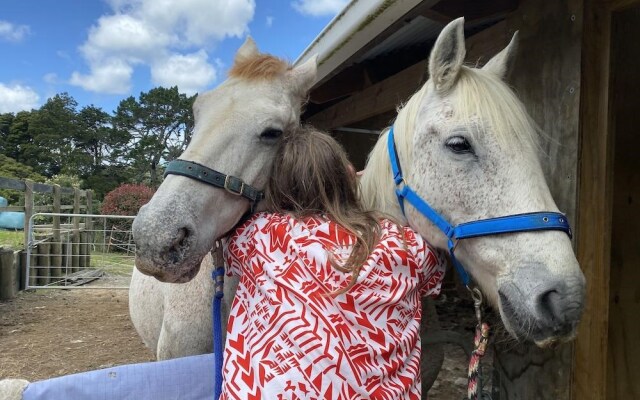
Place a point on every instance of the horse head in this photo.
(237, 127)
(468, 148)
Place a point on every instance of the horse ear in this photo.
(447, 55)
(304, 76)
(247, 51)
(502, 63)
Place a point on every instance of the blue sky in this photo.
(102, 51)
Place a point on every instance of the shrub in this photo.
(123, 200)
(126, 199)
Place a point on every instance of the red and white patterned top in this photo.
(286, 339)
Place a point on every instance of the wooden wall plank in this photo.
(593, 226)
(487, 43)
(624, 306)
(619, 5)
(546, 77)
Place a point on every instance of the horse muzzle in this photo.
(166, 248)
(540, 307)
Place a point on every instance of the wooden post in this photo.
(56, 244)
(593, 225)
(75, 254)
(21, 257)
(82, 250)
(33, 264)
(8, 274)
(88, 226)
(28, 208)
(44, 263)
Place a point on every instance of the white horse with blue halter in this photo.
(535, 221)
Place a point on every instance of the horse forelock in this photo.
(482, 100)
(261, 66)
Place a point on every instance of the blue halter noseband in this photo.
(535, 221)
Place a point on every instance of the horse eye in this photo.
(459, 145)
(271, 134)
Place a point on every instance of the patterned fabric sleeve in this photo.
(240, 245)
(431, 261)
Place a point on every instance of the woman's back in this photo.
(290, 333)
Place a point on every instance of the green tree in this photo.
(160, 123)
(10, 168)
(52, 127)
(97, 143)
(6, 120)
(18, 140)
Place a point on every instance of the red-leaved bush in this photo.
(126, 199)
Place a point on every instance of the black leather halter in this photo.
(231, 184)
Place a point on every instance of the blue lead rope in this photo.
(218, 277)
(528, 222)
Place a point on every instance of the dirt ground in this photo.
(48, 333)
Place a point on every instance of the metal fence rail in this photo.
(79, 251)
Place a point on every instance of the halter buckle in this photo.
(232, 190)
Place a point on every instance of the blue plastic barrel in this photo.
(10, 219)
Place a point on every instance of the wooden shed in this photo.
(577, 72)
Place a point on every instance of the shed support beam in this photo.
(382, 97)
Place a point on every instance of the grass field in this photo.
(115, 263)
(12, 239)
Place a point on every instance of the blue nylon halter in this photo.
(535, 221)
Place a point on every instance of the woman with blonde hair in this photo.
(328, 304)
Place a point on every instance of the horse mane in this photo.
(376, 184)
(503, 113)
(260, 66)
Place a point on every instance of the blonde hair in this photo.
(311, 175)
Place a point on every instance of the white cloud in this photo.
(124, 37)
(112, 77)
(13, 33)
(269, 21)
(159, 34)
(317, 8)
(190, 72)
(16, 98)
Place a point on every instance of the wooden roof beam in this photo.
(379, 98)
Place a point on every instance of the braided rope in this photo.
(480, 347)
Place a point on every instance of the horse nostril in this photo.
(179, 245)
(182, 236)
(550, 307)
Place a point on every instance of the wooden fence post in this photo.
(33, 266)
(75, 253)
(44, 262)
(8, 274)
(88, 227)
(56, 245)
(28, 208)
(28, 213)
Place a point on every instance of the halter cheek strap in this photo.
(201, 173)
(536, 221)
